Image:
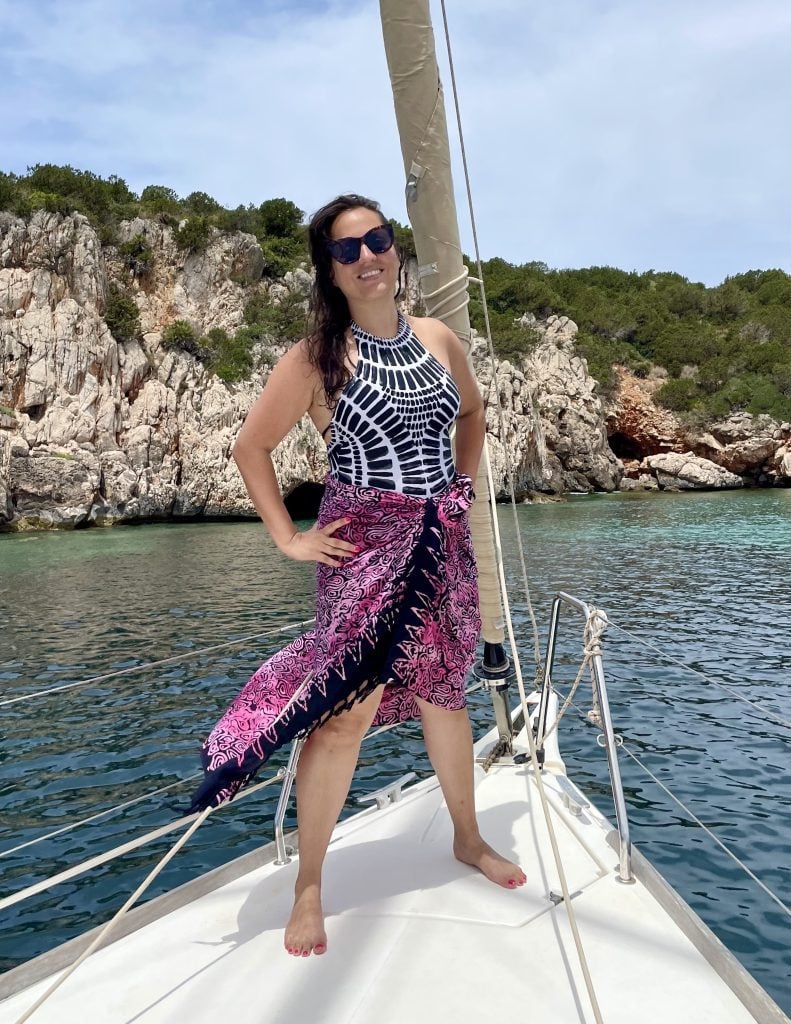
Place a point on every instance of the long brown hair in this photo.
(329, 310)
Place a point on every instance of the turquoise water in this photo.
(706, 577)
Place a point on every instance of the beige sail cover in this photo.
(420, 113)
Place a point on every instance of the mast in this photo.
(420, 113)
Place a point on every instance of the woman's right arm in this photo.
(287, 396)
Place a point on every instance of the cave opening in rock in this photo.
(625, 447)
(303, 502)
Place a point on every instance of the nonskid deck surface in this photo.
(413, 935)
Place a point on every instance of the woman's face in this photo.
(373, 277)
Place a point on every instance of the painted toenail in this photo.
(306, 952)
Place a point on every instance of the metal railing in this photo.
(595, 623)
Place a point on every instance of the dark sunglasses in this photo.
(347, 250)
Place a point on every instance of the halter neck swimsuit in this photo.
(391, 426)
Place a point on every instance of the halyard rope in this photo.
(501, 415)
(501, 570)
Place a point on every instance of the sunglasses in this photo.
(347, 250)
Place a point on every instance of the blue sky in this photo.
(635, 133)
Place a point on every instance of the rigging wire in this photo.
(156, 664)
(501, 414)
(117, 917)
(726, 849)
(714, 682)
(572, 919)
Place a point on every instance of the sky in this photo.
(642, 134)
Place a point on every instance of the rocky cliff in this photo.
(98, 430)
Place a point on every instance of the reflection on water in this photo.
(705, 577)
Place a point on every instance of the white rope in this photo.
(118, 851)
(501, 570)
(594, 628)
(702, 675)
(572, 917)
(111, 924)
(101, 814)
(156, 664)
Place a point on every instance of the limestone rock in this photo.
(687, 471)
(743, 444)
(554, 423)
(52, 488)
(636, 426)
(643, 482)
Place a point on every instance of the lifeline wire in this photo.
(702, 675)
(116, 919)
(693, 816)
(709, 832)
(101, 814)
(156, 664)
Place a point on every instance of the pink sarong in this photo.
(403, 611)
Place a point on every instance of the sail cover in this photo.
(420, 113)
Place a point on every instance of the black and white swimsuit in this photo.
(391, 426)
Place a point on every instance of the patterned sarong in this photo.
(403, 611)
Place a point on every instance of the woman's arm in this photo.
(287, 396)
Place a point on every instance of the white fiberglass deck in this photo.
(413, 935)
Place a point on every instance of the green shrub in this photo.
(137, 255)
(181, 335)
(50, 201)
(193, 235)
(201, 203)
(159, 199)
(122, 316)
(279, 218)
(9, 191)
(229, 357)
(282, 255)
(678, 395)
(283, 321)
(404, 239)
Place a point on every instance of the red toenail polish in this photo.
(305, 952)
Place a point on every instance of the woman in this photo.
(396, 611)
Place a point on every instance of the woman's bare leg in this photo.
(449, 744)
(324, 774)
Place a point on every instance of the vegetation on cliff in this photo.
(725, 348)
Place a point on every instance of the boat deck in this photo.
(413, 935)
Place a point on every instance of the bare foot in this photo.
(497, 869)
(305, 929)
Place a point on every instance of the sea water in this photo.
(705, 578)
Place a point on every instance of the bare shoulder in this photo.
(438, 338)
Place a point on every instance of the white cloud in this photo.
(633, 133)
